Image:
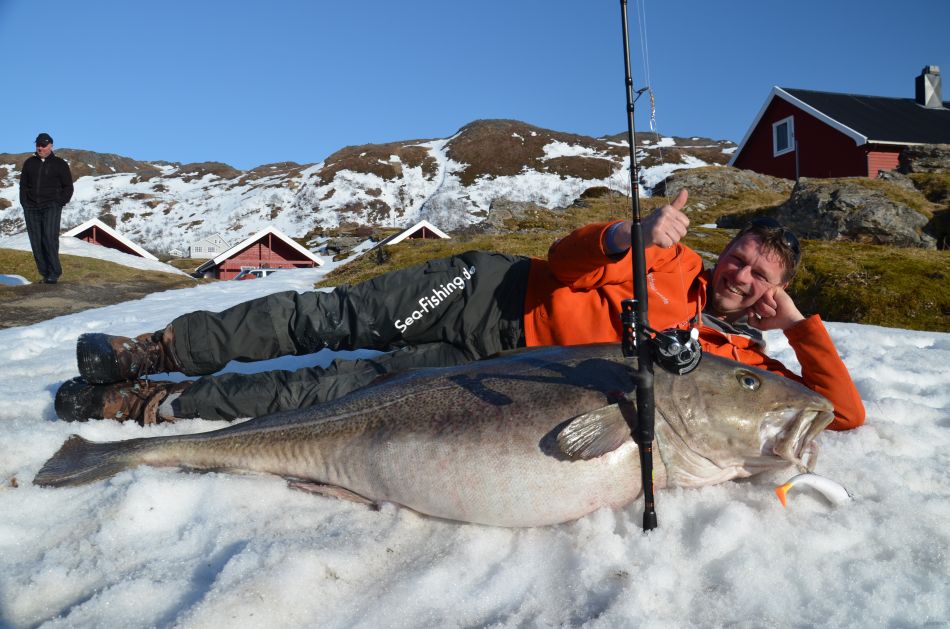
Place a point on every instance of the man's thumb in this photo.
(680, 201)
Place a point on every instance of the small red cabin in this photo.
(805, 133)
(98, 233)
(267, 249)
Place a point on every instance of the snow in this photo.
(563, 149)
(665, 142)
(13, 280)
(655, 174)
(157, 547)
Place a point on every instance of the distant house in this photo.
(98, 233)
(268, 248)
(804, 133)
(176, 253)
(423, 229)
(208, 247)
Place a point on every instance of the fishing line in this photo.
(644, 46)
(654, 127)
(641, 9)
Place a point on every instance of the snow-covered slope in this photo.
(452, 182)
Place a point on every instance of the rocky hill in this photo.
(452, 182)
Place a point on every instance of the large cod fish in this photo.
(533, 438)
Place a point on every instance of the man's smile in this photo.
(734, 289)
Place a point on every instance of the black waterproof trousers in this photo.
(42, 227)
(441, 313)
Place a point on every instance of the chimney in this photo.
(928, 91)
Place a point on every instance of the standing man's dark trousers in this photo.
(42, 226)
(441, 313)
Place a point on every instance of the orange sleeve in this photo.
(579, 261)
(824, 372)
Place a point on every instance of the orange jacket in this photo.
(574, 297)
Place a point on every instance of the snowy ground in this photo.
(156, 547)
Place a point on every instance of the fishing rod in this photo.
(675, 350)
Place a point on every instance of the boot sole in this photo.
(75, 401)
(96, 359)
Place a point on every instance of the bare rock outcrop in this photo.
(926, 158)
(500, 212)
(853, 209)
(712, 183)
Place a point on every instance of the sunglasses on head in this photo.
(769, 224)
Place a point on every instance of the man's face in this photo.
(44, 151)
(742, 276)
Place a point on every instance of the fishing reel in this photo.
(677, 351)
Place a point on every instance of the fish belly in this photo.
(496, 477)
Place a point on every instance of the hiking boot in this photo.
(139, 401)
(103, 358)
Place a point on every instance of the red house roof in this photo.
(422, 229)
(98, 233)
(881, 119)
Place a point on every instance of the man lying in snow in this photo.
(463, 308)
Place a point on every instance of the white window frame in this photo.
(791, 136)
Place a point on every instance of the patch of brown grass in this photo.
(877, 285)
(80, 269)
(743, 206)
(934, 186)
(198, 170)
(580, 167)
(188, 265)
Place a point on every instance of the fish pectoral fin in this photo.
(593, 434)
(331, 491)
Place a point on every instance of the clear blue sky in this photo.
(250, 83)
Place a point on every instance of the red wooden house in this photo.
(267, 249)
(805, 133)
(98, 233)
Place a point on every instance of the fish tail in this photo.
(80, 461)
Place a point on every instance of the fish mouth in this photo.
(790, 435)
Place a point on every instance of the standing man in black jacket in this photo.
(46, 185)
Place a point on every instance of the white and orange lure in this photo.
(833, 491)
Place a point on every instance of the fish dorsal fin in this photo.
(593, 434)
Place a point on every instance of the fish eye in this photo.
(748, 380)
